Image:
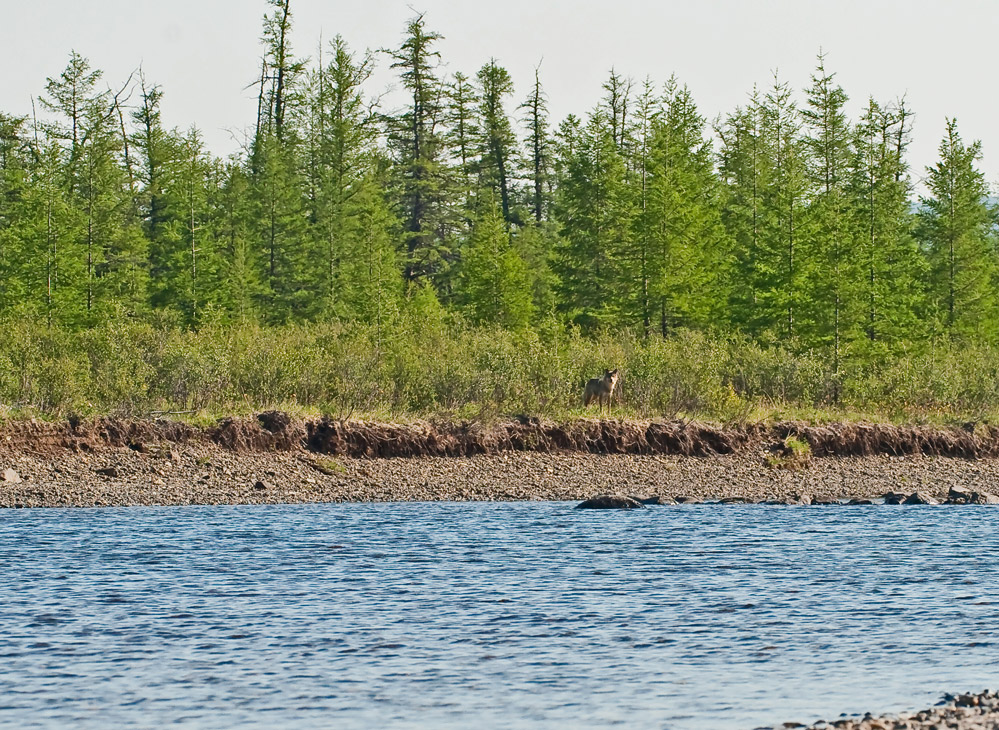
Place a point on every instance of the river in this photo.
(522, 615)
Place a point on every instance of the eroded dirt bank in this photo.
(274, 459)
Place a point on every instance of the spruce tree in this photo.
(415, 139)
(892, 270)
(536, 119)
(779, 268)
(596, 211)
(341, 136)
(497, 141)
(742, 171)
(956, 223)
(830, 261)
(495, 283)
(682, 218)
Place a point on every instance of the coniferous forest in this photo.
(469, 254)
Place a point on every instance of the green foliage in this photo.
(957, 224)
(431, 365)
(494, 279)
(441, 259)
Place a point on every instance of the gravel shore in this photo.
(961, 712)
(205, 473)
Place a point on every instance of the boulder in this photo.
(610, 501)
(920, 498)
(263, 486)
(983, 498)
(10, 476)
(109, 471)
(735, 500)
(894, 498)
(960, 495)
(654, 499)
(857, 501)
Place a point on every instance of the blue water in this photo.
(496, 615)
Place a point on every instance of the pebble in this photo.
(61, 477)
(975, 711)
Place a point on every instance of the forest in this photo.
(468, 255)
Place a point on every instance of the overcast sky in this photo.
(204, 52)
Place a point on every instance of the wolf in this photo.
(600, 388)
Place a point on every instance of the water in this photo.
(498, 615)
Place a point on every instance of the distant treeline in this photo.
(784, 221)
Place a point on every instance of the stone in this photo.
(857, 501)
(920, 498)
(608, 501)
(262, 486)
(10, 476)
(735, 500)
(653, 500)
(959, 495)
(985, 498)
(109, 471)
(894, 498)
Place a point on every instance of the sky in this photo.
(205, 53)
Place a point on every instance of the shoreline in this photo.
(275, 459)
(205, 473)
(973, 711)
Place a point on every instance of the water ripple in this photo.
(516, 615)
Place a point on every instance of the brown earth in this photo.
(276, 459)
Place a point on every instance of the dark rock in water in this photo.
(960, 495)
(824, 502)
(686, 500)
(653, 500)
(10, 476)
(920, 498)
(800, 499)
(857, 501)
(735, 500)
(109, 471)
(610, 501)
(894, 498)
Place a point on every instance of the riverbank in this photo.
(275, 460)
(958, 712)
